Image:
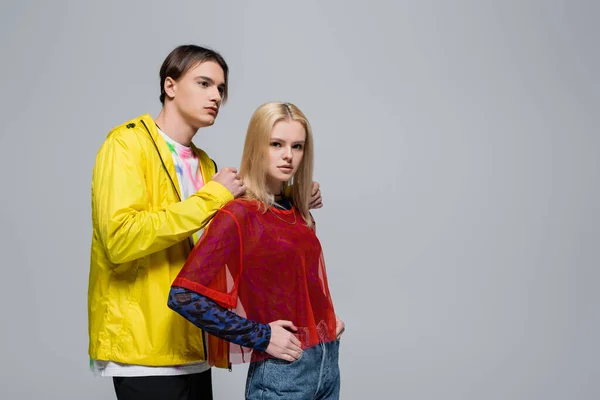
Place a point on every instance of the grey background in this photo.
(457, 147)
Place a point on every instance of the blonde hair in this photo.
(253, 168)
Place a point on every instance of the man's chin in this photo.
(206, 121)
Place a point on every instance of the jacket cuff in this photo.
(220, 192)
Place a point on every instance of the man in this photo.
(152, 191)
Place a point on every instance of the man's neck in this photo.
(175, 127)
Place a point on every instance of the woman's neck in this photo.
(274, 187)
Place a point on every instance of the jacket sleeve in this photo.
(127, 228)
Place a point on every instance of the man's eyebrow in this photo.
(209, 80)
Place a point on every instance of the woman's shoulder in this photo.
(241, 207)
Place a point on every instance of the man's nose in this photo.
(215, 96)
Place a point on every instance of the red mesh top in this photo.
(264, 267)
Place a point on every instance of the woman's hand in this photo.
(340, 327)
(283, 343)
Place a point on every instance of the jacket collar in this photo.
(206, 164)
(150, 127)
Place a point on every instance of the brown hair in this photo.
(185, 57)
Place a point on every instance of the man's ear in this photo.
(170, 86)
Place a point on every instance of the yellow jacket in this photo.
(139, 244)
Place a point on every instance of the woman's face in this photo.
(286, 150)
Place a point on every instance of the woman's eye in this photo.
(298, 147)
(203, 84)
(276, 144)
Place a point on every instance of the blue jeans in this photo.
(315, 375)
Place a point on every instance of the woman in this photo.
(256, 279)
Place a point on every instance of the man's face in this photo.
(198, 93)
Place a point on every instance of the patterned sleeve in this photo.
(209, 316)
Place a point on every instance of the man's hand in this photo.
(315, 200)
(340, 327)
(283, 343)
(229, 178)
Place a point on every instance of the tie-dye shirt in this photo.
(189, 174)
(188, 171)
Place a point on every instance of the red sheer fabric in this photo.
(264, 267)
